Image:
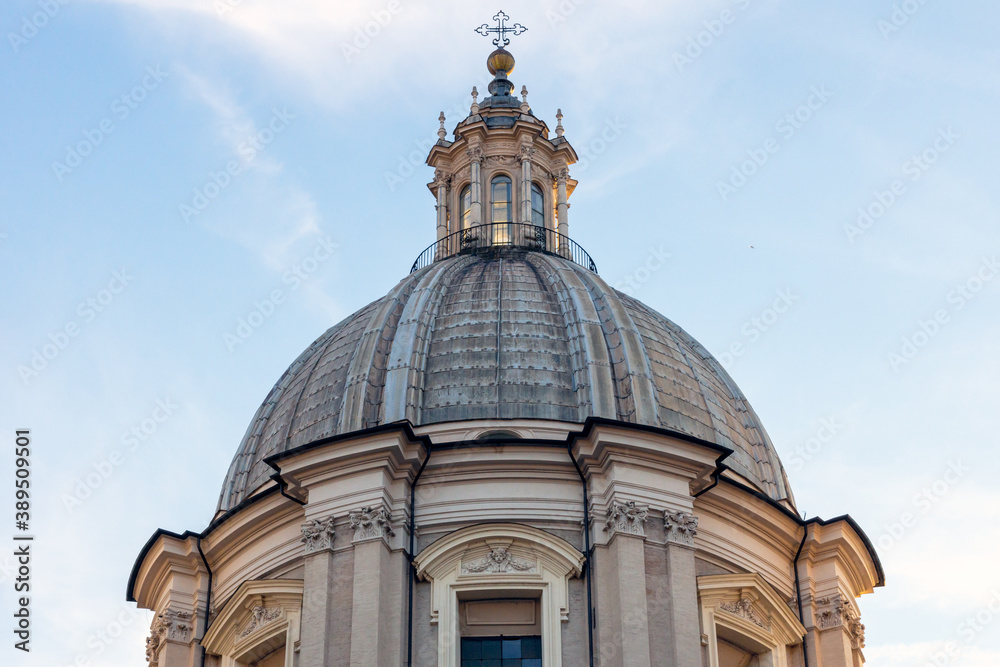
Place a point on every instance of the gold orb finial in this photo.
(501, 59)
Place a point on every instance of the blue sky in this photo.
(744, 139)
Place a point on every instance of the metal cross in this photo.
(501, 29)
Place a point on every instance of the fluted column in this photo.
(475, 153)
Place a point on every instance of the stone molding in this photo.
(498, 561)
(370, 523)
(746, 605)
(490, 549)
(318, 534)
(626, 518)
(260, 611)
(680, 527)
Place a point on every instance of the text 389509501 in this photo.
(22, 541)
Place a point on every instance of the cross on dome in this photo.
(501, 29)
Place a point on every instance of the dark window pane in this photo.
(531, 662)
(472, 663)
(531, 647)
(512, 663)
(511, 648)
(492, 663)
(471, 649)
(491, 649)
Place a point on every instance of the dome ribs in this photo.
(369, 364)
(403, 395)
(519, 335)
(532, 338)
(633, 382)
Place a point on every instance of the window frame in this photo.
(536, 187)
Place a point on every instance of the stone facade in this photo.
(638, 517)
(509, 515)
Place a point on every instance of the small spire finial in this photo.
(442, 133)
(475, 104)
(559, 127)
(524, 100)
(501, 29)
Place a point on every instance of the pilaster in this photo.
(321, 624)
(682, 623)
(378, 576)
(620, 572)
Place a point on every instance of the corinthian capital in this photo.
(626, 518)
(475, 153)
(680, 527)
(371, 523)
(317, 534)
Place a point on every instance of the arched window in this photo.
(537, 205)
(501, 199)
(503, 209)
(465, 207)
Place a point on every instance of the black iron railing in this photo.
(497, 236)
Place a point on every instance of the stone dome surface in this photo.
(517, 335)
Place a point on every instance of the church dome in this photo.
(507, 335)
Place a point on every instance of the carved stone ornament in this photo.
(562, 175)
(475, 153)
(500, 161)
(169, 625)
(835, 612)
(681, 527)
(152, 647)
(744, 609)
(626, 518)
(176, 625)
(498, 561)
(526, 152)
(260, 616)
(370, 523)
(317, 534)
(441, 178)
(856, 629)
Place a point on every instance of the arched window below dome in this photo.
(465, 207)
(500, 190)
(502, 207)
(537, 205)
